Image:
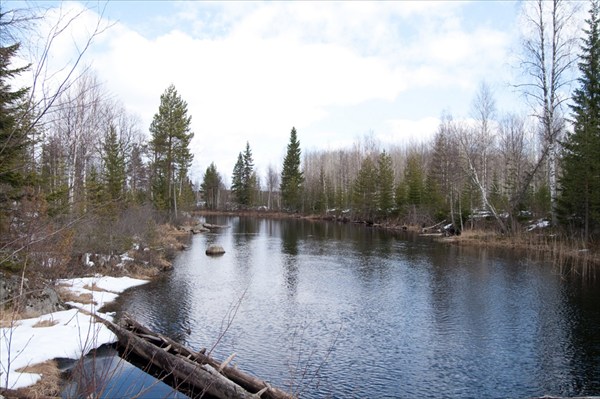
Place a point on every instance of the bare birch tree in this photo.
(547, 63)
(78, 126)
(483, 111)
(514, 149)
(470, 151)
(45, 86)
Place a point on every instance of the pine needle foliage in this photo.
(580, 182)
(292, 178)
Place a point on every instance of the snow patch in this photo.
(539, 224)
(73, 335)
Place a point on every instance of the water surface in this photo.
(336, 310)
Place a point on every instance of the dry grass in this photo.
(143, 272)
(560, 251)
(69, 296)
(45, 323)
(94, 287)
(9, 319)
(168, 234)
(48, 386)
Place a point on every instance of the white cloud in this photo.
(407, 131)
(251, 71)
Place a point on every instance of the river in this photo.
(344, 311)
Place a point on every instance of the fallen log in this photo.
(244, 380)
(202, 377)
(214, 226)
(427, 229)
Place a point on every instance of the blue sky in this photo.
(335, 70)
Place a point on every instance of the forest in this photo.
(78, 174)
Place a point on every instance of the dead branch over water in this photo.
(197, 370)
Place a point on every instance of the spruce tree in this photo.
(580, 182)
(169, 147)
(114, 165)
(364, 192)
(413, 176)
(137, 172)
(292, 177)
(13, 138)
(248, 177)
(211, 186)
(385, 182)
(237, 185)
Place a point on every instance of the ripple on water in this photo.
(340, 311)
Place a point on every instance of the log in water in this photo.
(195, 369)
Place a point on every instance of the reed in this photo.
(568, 254)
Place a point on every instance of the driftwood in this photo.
(214, 226)
(195, 369)
(426, 230)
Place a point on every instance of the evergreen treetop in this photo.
(580, 182)
(292, 177)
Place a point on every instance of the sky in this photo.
(336, 71)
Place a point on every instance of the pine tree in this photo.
(385, 181)
(244, 180)
(97, 194)
(413, 177)
(13, 139)
(321, 202)
(237, 183)
(249, 179)
(364, 193)
(137, 175)
(211, 186)
(580, 182)
(114, 165)
(169, 147)
(292, 177)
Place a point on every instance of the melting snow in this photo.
(73, 333)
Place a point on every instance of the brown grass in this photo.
(9, 319)
(69, 296)
(45, 323)
(143, 272)
(47, 386)
(560, 251)
(94, 287)
(168, 234)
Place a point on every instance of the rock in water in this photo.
(215, 250)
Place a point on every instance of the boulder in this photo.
(215, 250)
(40, 299)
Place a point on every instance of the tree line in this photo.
(79, 174)
(505, 167)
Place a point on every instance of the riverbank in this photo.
(562, 252)
(29, 346)
(40, 311)
(541, 243)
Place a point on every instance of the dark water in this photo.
(103, 374)
(343, 311)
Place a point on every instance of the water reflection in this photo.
(289, 247)
(369, 314)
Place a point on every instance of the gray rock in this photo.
(46, 301)
(215, 250)
(10, 286)
(34, 301)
